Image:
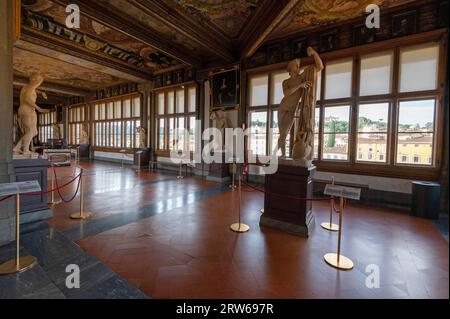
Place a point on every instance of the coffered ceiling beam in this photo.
(21, 81)
(113, 67)
(200, 33)
(125, 24)
(268, 16)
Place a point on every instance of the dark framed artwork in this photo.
(363, 35)
(299, 47)
(226, 89)
(328, 41)
(274, 54)
(404, 23)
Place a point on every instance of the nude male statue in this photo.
(293, 89)
(27, 116)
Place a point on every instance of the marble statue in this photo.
(297, 109)
(57, 132)
(84, 137)
(27, 117)
(142, 132)
(220, 122)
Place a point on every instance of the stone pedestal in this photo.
(141, 158)
(85, 151)
(219, 172)
(33, 208)
(285, 212)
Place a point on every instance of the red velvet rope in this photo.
(80, 176)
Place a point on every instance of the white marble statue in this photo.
(27, 117)
(57, 132)
(220, 122)
(142, 133)
(84, 137)
(297, 108)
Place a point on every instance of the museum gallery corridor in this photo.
(170, 238)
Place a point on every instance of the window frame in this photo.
(390, 168)
(76, 125)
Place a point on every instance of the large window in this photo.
(176, 118)
(372, 109)
(76, 121)
(46, 122)
(115, 122)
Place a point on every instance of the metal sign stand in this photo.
(330, 226)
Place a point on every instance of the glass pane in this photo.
(416, 116)
(110, 110)
(161, 134)
(126, 108)
(372, 147)
(316, 132)
(171, 133)
(171, 102)
(277, 87)
(180, 101)
(338, 79)
(180, 133)
(415, 149)
(258, 127)
(160, 102)
(335, 146)
(418, 68)
(337, 119)
(376, 74)
(319, 86)
(117, 109)
(137, 107)
(192, 128)
(373, 118)
(259, 86)
(192, 99)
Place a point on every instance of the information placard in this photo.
(7, 189)
(343, 191)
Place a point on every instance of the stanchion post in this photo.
(52, 201)
(233, 176)
(180, 171)
(82, 214)
(330, 226)
(337, 260)
(17, 264)
(239, 227)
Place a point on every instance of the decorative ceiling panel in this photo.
(229, 15)
(321, 13)
(150, 59)
(56, 71)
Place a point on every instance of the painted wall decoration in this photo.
(26, 63)
(51, 17)
(229, 15)
(313, 13)
(225, 89)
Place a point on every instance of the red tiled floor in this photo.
(189, 252)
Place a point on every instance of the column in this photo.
(6, 120)
(146, 111)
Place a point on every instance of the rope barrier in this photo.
(80, 176)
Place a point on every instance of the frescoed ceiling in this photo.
(229, 15)
(56, 71)
(319, 13)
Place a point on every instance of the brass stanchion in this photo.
(52, 201)
(330, 226)
(19, 264)
(240, 227)
(337, 260)
(82, 214)
(233, 177)
(180, 171)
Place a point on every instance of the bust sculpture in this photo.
(27, 117)
(297, 109)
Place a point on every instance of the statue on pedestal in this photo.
(297, 109)
(142, 132)
(84, 137)
(220, 122)
(27, 117)
(56, 132)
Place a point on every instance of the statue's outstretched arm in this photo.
(289, 90)
(317, 59)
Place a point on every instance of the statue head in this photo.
(36, 79)
(294, 67)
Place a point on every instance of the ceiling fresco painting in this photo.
(55, 71)
(151, 58)
(320, 13)
(229, 15)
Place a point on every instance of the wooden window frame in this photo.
(390, 168)
(45, 127)
(75, 125)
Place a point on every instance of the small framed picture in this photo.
(328, 41)
(226, 89)
(299, 47)
(404, 23)
(274, 54)
(363, 35)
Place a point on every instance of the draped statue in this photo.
(297, 109)
(27, 117)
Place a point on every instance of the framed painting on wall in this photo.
(404, 24)
(226, 89)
